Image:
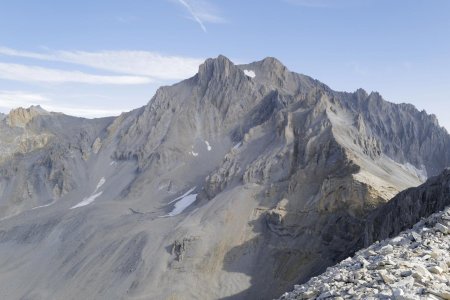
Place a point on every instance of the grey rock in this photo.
(386, 250)
(442, 228)
(286, 171)
(406, 273)
(435, 270)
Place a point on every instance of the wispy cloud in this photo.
(142, 63)
(202, 12)
(193, 14)
(85, 112)
(25, 73)
(13, 99)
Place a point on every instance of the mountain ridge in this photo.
(279, 167)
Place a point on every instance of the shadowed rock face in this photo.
(285, 170)
(417, 256)
(407, 208)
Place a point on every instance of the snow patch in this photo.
(100, 183)
(208, 146)
(250, 73)
(184, 195)
(87, 201)
(195, 154)
(46, 205)
(237, 145)
(113, 163)
(90, 199)
(182, 204)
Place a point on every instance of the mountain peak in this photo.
(20, 117)
(219, 68)
(269, 65)
(32, 108)
(273, 62)
(361, 93)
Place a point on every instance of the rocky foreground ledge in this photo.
(413, 265)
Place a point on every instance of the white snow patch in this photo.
(208, 146)
(100, 183)
(182, 202)
(46, 205)
(113, 163)
(184, 195)
(90, 199)
(87, 201)
(237, 145)
(193, 153)
(181, 205)
(250, 73)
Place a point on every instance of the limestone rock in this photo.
(20, 117)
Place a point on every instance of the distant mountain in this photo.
(235, 183)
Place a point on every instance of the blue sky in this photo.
(96, 58)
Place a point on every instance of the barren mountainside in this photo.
(236, 183)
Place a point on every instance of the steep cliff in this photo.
(409, 258)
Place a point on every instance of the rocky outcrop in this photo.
(400, 263)
(39, 157)
(20, 117)
(407, 208)
(413, 265)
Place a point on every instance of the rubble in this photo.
(413, 265)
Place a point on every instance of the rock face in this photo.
(224, 186)
(413, 265)
(42, 157)
(407, 208)
(20, 117)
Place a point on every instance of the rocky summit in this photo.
(236, 183)
(415, 264)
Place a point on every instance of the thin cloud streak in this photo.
(201, 12)
(142, 63)
(13, 99)
(84, 112)
(193, 14)
(24, 73)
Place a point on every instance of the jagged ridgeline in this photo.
(236, 183)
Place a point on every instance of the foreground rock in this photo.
(413, 265)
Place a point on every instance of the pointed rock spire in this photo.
(220, 68)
